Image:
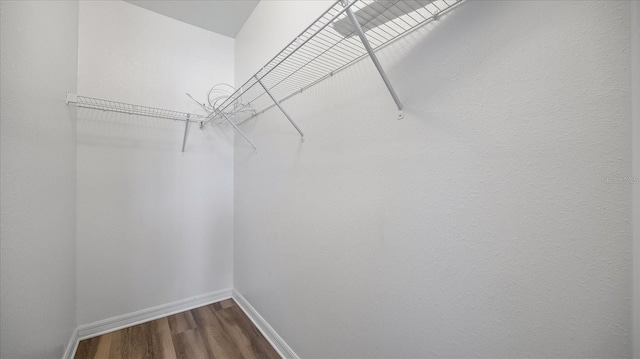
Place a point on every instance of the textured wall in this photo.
(38, 184)
(635, 68)
(487, 223)
(154, 224)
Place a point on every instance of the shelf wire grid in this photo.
(329, 45)
(114, 106)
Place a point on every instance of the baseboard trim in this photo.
(72, 346)
(269, 333)
(95, 329)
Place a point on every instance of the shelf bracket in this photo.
(71, 98)
(186, 129)
(280, 107)
(237, 129)
(372, 55)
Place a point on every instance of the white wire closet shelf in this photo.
(348, 31)
(131, 109)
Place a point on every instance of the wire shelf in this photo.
(114, 106)
(328, 46)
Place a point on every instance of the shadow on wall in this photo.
(445, 33)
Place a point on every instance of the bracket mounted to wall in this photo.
(277, 103)
(365, 42)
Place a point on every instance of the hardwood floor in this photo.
(219, 330)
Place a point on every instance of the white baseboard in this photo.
(70, 351)
(269, 333)
(112, 324)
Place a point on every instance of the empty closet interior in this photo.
(364, 178)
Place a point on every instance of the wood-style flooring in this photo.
(219, 330)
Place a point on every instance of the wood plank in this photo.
(104, 346)
(181, 322)
(117, 348)
(189, 345)
(87, 348)
(236, 333)
(259, 344)
(227, 303)
(140, 342)
(158, 340)
(216, 339)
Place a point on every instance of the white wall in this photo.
(265, 34)
(154, 224)
(481, 225)
(635, 68)
(38, 184)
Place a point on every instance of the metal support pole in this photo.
(186, 129)
(237, 129)
(280, 107)
(367, 46)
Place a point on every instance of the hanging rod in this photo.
(122, 107)
(330, 44)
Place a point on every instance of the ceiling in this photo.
(224, 17)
